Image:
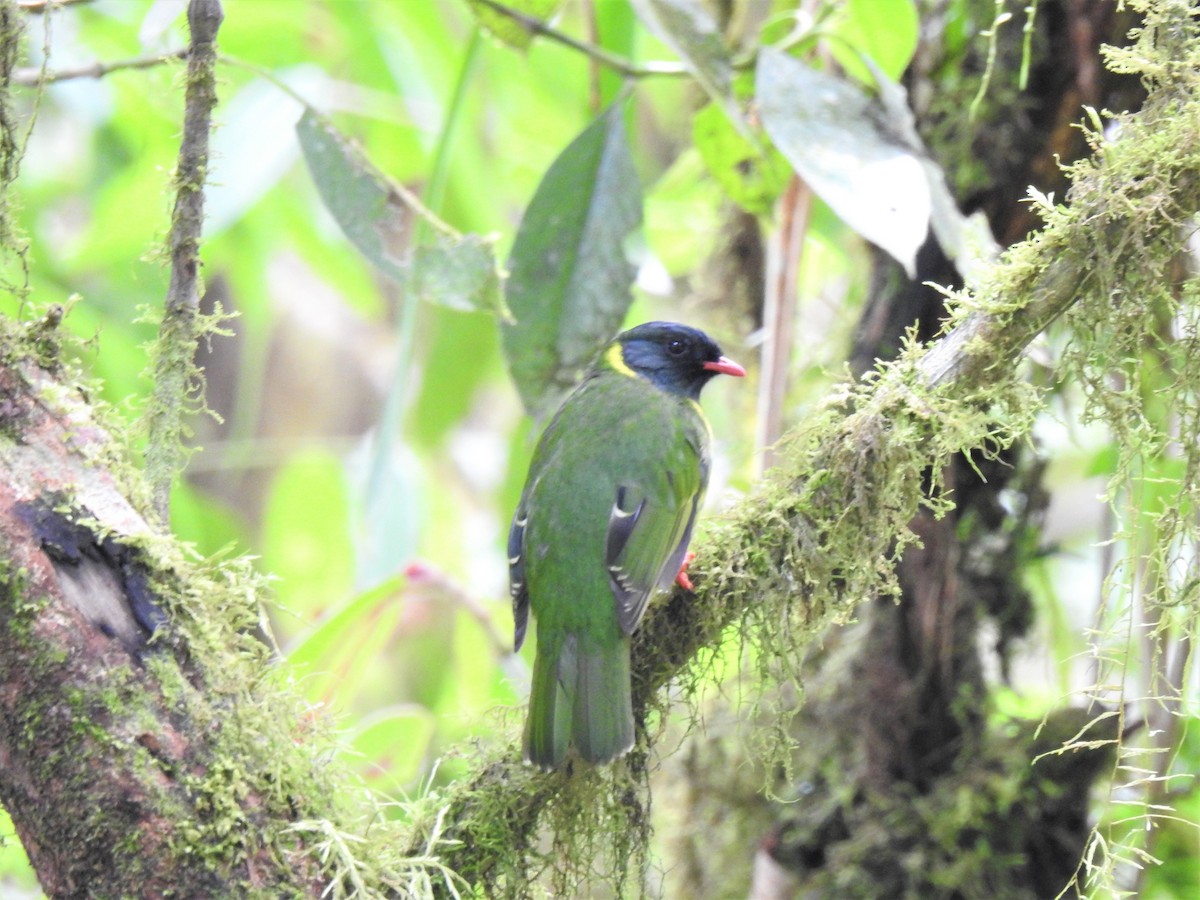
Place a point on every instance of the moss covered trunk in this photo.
(143, 750)
(118, 763)
(895, 729)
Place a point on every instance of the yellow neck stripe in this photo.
(703, 418)
(615, 357)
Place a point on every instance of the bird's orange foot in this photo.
(682, 578)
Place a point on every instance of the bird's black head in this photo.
(674, 357)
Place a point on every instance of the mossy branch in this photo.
(177, 381)
(823, 532)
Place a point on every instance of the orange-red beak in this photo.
(725, 366)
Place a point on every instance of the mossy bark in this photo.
(125, 765)
(894, 723)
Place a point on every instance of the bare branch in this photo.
(45, 6)
(29, 76)
(614, 62)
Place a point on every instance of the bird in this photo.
(602, 525)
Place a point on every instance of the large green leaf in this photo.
(509, 28)
(393, 743)
(569, 279)
(688, 28)
(834, 136)
(886, 31)
(306, 539)
(458, 271)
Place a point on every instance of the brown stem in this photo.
(779, 315)
(175, 374)
(29, 76)
(599, 54)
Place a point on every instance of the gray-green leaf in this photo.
(458, 271)
(569, 279)
(688, 28)
(835, 137)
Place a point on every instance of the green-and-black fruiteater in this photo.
(603, 524)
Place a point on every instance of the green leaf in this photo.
(458, 271)
(569, 282)
(394, 742)
(688, 28)
(355, 193)
(884, 30)
(333, 655)
(832, 134)
(751, 177)
(507, 28)
(306, 537)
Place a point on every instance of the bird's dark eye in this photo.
(677, 347)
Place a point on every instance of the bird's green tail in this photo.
(580, 695)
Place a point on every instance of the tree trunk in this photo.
(128, 769)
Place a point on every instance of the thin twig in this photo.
(617, 63)
(30, 76)
(44, 6)
(175, 381)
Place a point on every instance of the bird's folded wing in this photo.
(517, 585)
(648, 534)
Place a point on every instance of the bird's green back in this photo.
(619, 430)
